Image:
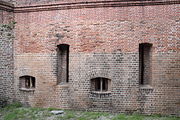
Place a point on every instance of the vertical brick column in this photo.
(6, 54)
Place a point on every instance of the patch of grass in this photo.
(142, 117)
(50, 109)
(82, 118)
(136, 117)
(94, 115)
(156, 115)
(13, 105)
(120, 117)
(15, 111)
(68, 115)
(10, 116)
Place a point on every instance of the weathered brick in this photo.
(6, 58)
(104, 42)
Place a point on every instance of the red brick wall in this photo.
(104, 42)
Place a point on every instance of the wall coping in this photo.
(79, 4)
(6, 6)
(91, 4)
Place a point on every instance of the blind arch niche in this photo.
(63, 63)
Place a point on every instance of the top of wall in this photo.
(46, 5)
(38, 2)
(6, 5)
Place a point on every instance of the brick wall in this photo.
(6, 12)
(104, 42)
(6, 56)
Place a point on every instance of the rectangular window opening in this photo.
(145, 63)
(97, 85)
(100, 84)
(27, 82)
(63, 63)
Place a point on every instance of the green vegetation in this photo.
(15, 111)
(9, 26)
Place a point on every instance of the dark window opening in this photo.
(100, 84)
(27, 82)
(63, 63)
(105, 84)
(145, 63)
(97, 85)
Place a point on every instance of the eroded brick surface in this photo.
(104, 42)
(6, 60)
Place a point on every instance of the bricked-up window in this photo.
(145, 53)
(28, 82)
(63, 63)
(100, 84)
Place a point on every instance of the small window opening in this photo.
(27, 82)
(145, 63)
(63, 63)
(100, 84)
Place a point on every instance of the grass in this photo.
(17, 112)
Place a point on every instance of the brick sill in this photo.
(101, 95)
(64, 85)
(146, 87)
(98, 92)
(27, 89)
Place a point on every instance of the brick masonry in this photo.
(104, 42)
(6, 57)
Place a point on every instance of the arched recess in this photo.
(145, 63)
(63, 63)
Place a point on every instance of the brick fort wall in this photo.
(6, 53)
(103, 39)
